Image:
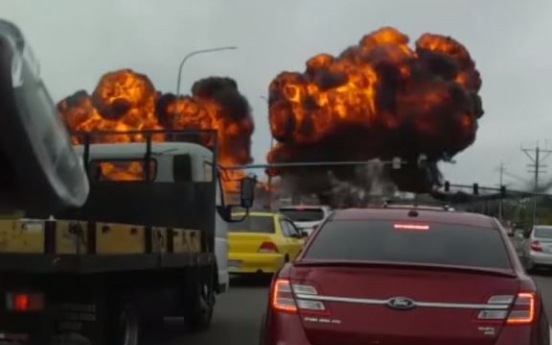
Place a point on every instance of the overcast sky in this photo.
(77, 41)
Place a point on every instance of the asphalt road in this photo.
(544, 282)
(238, 316)
(236, 321)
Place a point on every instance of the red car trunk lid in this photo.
(393, 305)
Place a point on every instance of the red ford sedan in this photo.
(396, 276)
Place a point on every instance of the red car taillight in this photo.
(287, 297)
(521, 312)
(535, 246)
(267, 247)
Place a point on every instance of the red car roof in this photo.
(424, 215)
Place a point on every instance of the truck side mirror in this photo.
(247, 191)
(247, 196)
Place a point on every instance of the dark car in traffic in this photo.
(416, 276)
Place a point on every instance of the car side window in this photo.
(293, 228)
(285, 228)
(289, 228)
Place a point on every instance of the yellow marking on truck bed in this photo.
(71, 237)
(21, 236)
(27, 236)
(187, 241)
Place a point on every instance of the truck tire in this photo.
(199, 300)
(123, 324)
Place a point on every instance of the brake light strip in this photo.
(416, 303)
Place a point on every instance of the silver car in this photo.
(539, 247)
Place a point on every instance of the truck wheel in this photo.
(199, 302)
(123, 325)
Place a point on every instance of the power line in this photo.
(536, 156)
(509, 174)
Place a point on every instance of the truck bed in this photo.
(30, 245)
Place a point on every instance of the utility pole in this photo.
(536, 156)
(500, 184)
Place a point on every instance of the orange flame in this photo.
(125, 100)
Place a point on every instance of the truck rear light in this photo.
(535, 246)
(289, 297)
(24, 302)
(267, 247)
(521, 312)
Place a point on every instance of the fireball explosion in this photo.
(378, 99)
(125, 100)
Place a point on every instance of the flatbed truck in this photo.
(142, 247)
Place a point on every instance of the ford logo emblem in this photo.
(401, 303)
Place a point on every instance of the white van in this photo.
(166, 156)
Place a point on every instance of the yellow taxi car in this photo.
(262, 243)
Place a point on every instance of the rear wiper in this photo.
(399, 265)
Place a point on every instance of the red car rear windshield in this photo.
(385, 241)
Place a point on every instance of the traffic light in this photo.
(447, 186)
(475, 189)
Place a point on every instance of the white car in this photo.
(539, 247)
(306, 217)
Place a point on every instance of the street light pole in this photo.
(189, 55)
